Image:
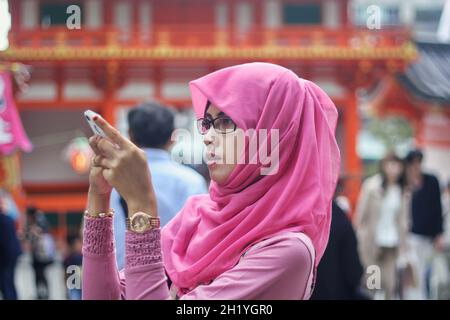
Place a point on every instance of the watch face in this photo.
(140, 222)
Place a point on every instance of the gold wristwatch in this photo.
(140, 222)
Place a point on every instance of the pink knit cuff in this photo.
(98, 236)
(143, 249)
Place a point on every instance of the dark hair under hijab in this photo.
(208, 103)
(151, 125)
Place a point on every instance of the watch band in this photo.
(150, 222)
(154, 223)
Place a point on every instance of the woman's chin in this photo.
(219, 172)
(215, 173)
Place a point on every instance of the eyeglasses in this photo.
(220, 124)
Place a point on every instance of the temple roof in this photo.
(429, 76)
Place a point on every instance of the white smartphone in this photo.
(89, 115)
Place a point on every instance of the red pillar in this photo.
(258, 13)
(232, 21)
(344, 13)
(136, 22)
(158, 82)
(108, 109)
(14, 9)
(352, 166)
(108, 12)
(59, 76)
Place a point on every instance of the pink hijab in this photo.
(212, 231)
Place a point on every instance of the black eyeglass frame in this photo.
(212, 122)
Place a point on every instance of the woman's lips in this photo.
(211, 159)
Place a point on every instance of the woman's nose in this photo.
(209, 137)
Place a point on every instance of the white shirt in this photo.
(387, 232)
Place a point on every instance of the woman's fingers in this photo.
(103, 162)
(106, 148)
(93, 143)
(112, 133)
(102, 146)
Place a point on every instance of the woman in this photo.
(257, 234)
(382, 221)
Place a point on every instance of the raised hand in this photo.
(124, 167)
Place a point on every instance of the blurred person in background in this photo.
(340, 271)
(10, 207)
(382, 221)
(43, 250)
(442, 265)
(445, 198)
(426, 234)
(150, 127)
(74, 258)
(10, 250)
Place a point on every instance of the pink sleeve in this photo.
(100, 279)
(144, 269)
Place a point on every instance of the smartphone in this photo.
(89, 115)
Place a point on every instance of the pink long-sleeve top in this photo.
(280, 267)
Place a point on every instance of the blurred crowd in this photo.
(397, 244)
(394, 245)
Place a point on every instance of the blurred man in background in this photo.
(426, 219)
